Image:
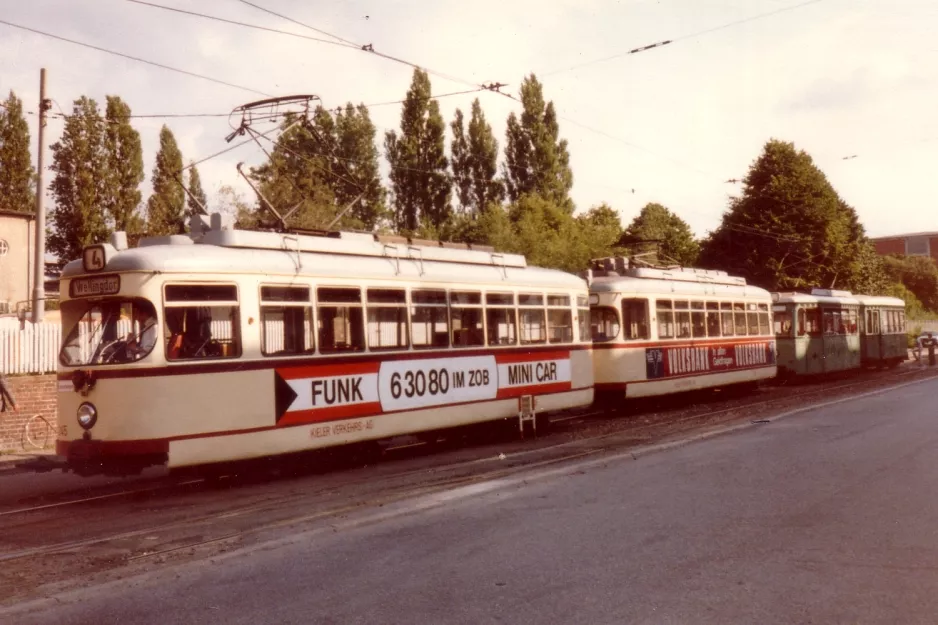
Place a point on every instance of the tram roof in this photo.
(667, 288)
(880, 300)
(180, 254)
(805, 298)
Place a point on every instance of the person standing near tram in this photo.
(6, 395)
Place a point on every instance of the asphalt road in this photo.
(828, 516)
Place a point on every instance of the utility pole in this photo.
(39, 269)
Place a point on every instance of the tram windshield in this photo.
(107, 332)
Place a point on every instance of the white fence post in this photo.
(32, 349)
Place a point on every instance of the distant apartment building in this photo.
(17, 241)
(915, 244)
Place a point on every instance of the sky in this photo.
(851, 82)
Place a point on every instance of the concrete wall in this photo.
(16, 266)
(34, 394)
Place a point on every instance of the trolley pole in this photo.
(39, 269)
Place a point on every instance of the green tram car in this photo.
(827, 331)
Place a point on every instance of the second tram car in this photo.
(826, 331)
(226, 345)
(660, 331)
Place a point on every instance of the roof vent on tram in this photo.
(831, 293)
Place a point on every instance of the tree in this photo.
(356, 164)
(299, 172)
(419, 179)
(166, 206)
(658, 231)
(474, 159)
(79, 161)
(536, 159)
(199, 204)
(917, 274)
(789, 229)
(17, 190)
(121, 196)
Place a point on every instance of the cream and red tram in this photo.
(227, 345)
(660, 331)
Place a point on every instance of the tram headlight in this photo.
(87, 415)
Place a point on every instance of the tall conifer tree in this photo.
(195, 191)
(166, 206)
(79, 160)
(419, 179)
(121, 197)
(17, 190)
(475, 156)
(536, 158)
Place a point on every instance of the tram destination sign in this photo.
(317, 393)
(96, 286)
(665, 362)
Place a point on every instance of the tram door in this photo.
(812, 337)
(873, 337)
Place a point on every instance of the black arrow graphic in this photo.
(284, 395)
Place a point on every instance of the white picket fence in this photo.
(32, 349)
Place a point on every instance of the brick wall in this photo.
(889, 246)
(33, 394)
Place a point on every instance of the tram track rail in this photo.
(169, 484)
(592, 445)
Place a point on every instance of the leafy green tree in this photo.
(17, 189)
(298, 174)
(356, 164)
(474, 158)
(913, 305)
(918, 274)
(420, 182)
(166, 206)
(661, 233)
(536, 159)
(79, 161)
(196, 201)
(789, 229)
(121, 197)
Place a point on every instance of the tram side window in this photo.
(890, 324)
(341, 326)
(387, 319)
(466, 316)
(902, 327)
(752, 318)
(559, 319)
(665, 312)
(682, 318)
(851, 321)
(429, 319)
(698, 320)
(809, 321)
(764, 319)
(286, 321)
(202, 321)
(635, 319)
(782, 322)
(739, 318)
(500, 319)
(604, 324)
(583, 318)
(533, 323)
(713, 319)
(726, 315)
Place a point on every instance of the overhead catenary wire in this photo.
(692, 35)
(242, 24)
(133, 58)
